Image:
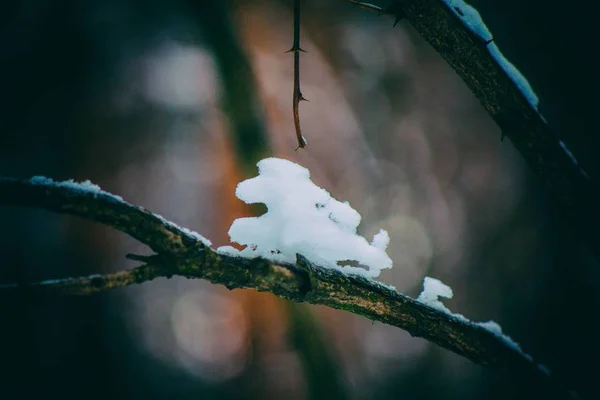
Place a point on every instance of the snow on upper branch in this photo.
(303, 218)
(472, 20)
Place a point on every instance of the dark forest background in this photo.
(170, 104)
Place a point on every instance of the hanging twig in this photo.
(296, 49)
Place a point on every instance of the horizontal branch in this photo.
(470, 56)
(181, 254)
(88, 284)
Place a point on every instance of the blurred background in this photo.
(171, 103)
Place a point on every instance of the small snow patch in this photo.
(470, 16)
(85, 186)
(187, 231)
(303, 218)
(228, 251)
(472, 20)
(515, 75)
(434, 289)
(572, 157)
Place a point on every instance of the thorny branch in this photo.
(296, 49)
(546, 154)
(180, 253)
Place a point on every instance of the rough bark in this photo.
(179, 253)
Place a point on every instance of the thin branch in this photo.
(297, 96)
(89, 284)
(547, 156)
(180, 254)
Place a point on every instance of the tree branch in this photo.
(89, 284)
(548, 156)
(180, 253)
(297, 95)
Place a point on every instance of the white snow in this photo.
(496, 329)
(515, 75)
(544, 369)
(89, 187)
(193, 234)
(567, 151)
(572, 157)
(303, 218)
(381, 240)
(228, 251)
(190, 232)
(85, 186)
(471, 18)
(434, 289)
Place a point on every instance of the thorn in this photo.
(489, 41)
(296, 49)
(302, 98)
(302, 143)
(395, 10)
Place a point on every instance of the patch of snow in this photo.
(303, 218)
(472, 20)
(515, 75)
(544, 369)
(228, 251)
(85, 186)
(567, 151)
(572, 157)
(187, 231)
(496, 329)
(48, 282)
(381, 240)
(194, 234)
(434, 289)
(470, 16)
(388, 287)
(89, 187)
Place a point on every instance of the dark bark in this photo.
(181, 254)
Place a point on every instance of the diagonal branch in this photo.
(472, 59)
(182, 253)
(151, 229)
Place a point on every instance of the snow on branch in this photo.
(303, 218)
(272, 268)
